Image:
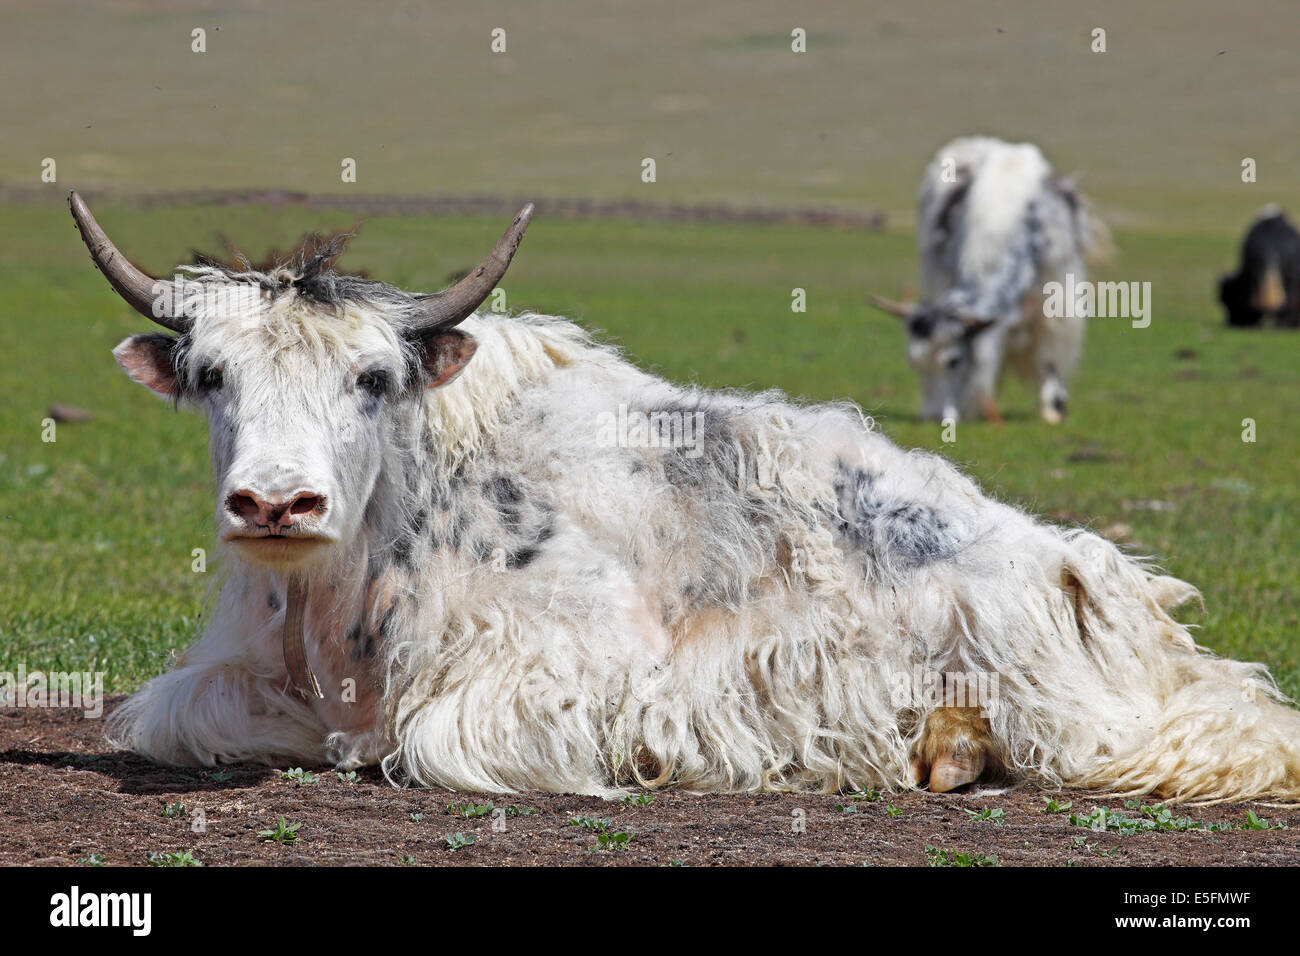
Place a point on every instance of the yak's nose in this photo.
(274, 512)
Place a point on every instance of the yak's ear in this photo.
(445, 355)
(148, 360)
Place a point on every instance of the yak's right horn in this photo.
(134, 285)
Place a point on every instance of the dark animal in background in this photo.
(1266, 287)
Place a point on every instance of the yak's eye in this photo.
(210, 379)
(954, 361)
(374, 382)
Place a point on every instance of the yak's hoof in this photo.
(1054, 413)
(951, 771)
(990, 411)
(955, 749)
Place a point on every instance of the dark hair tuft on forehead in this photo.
(309, 270)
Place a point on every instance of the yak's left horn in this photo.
(134, 285)
(444, 309)
(900, 309)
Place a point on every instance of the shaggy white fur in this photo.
(522, 604)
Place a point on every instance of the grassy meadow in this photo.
(98, 527)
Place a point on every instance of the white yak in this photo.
(493, 555)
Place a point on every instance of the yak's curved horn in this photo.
(132, 284)
(444, 309)
(976, 325)
(900, 309)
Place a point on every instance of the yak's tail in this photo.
(1270, 295)
(1226, 735)
(1213, 746)
(1220, 730)
(1098, 243)
(1092, 235)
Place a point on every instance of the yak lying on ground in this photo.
(492, 555)
(1267, 284)
(995, 223)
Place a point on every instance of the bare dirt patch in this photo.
(70, 797)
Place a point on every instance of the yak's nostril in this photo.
(305, 503)
(243, 506)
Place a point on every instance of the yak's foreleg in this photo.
(204, 714)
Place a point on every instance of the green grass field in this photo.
(97, 528)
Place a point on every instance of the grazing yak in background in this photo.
(1267, 285)
(490, 554)
(995, 223)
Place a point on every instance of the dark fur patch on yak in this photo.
(713, 476)
(888, 531)
(711, 458)
(521, 558)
